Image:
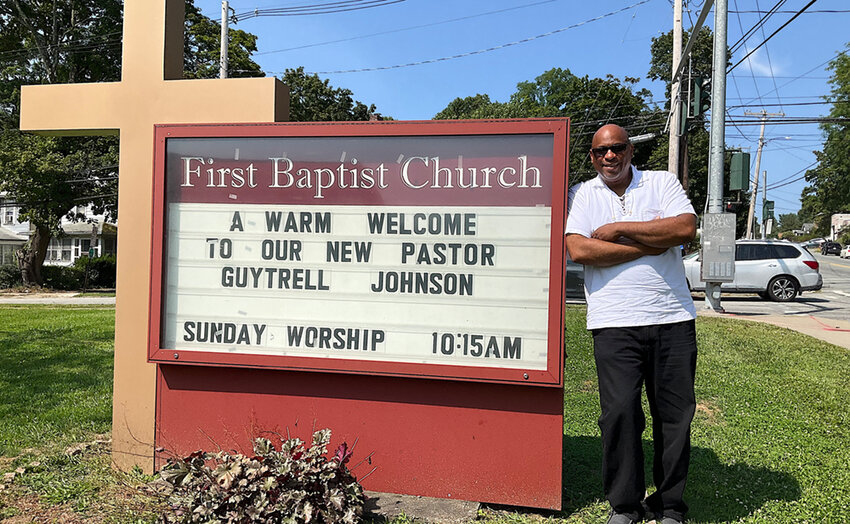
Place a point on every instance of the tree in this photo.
(696, 137)
(312, 99)
(661, 63)
(77, 41)
(829, 189)
(789, 222)
(589, 102)
(202, 48)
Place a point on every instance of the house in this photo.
(838, 224)
(9, 243)
(94, 233)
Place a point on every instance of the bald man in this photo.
(625, 226)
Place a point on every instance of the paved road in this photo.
(832, 302)
(836, 274)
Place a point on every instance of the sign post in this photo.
(400, 283)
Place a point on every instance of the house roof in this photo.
(8, 236)
(84, 228)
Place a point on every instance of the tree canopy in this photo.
(80, 41)
(661, 63)
(312, 99)
(202, 48)
(590, 102)
(66, 42)
(696, 139)
(828, 191)
(58, 42)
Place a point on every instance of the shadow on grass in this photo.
(716, 492)
(56, 382)
(53, 361)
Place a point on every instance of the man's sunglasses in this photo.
(615, 148)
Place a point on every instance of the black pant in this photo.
(664, 357)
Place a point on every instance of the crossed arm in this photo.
(620, 242)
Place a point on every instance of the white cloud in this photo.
(759, 65)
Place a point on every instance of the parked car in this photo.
(575, 280)
(830, 248)
(845, 252)
(776, 270)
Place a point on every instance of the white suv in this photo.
(775, 269)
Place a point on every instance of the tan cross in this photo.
(150, 92)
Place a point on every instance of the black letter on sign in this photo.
(236, 223)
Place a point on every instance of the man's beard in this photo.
(615, 178)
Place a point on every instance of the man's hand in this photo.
(609, 233)
(658, 232)
(602, 253)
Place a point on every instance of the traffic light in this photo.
(733, 207)
(767, 210)
(739, 171)
(700, 96)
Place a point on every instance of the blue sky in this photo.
(789, 69)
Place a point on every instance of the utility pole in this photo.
(764, 199)
(222, 70)
(718, 132)
(754, 194)
(675, 97)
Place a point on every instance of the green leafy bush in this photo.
(64, 278)
(101, 270)
(294, 485)
(10, 276)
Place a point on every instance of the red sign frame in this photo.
(552, 376)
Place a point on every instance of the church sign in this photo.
(429, 249)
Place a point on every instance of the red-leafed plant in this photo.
(295, 484)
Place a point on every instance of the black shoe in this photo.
(620, 518)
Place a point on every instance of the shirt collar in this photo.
(637, 177)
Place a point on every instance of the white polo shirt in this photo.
(647, 291)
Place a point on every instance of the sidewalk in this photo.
(829, 330)
(59, 297)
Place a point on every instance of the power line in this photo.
(787, 180)
(742, 41)
(742, 121)
(409, 28)
(315, 9)
(825, 102)
(772, 35)
(813, 11)
(68, 47)
(746, 34)
(806, 73)
(769, 64)
(777, 186)
(478, 52)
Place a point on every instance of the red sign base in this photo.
(482, 442)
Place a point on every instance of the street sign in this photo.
(717, 260)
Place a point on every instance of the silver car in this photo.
(776, 270)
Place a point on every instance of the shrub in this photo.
(295, 484)
(10, 276)
(61, 277)
(101, 270)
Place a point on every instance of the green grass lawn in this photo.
(771, 438)
(55, 375)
